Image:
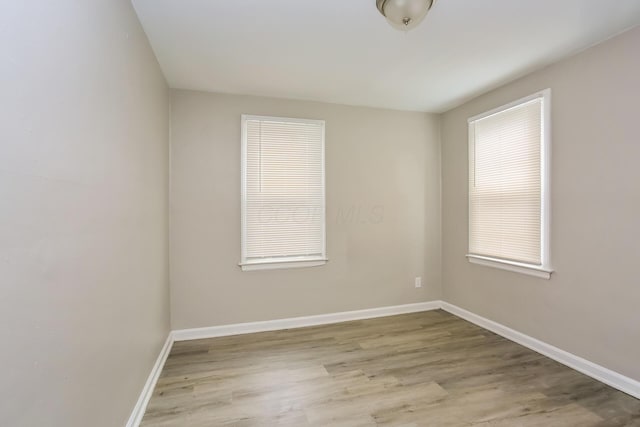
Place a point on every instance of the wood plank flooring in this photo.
(423, 369)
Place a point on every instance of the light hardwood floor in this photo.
(423, 369)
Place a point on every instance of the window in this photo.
(509, 186)
(283, 196)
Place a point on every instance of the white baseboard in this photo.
(147, 390)
(600, 373)
(299, 322)
(595, 371)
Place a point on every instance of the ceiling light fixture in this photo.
(404, 14)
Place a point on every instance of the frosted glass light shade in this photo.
(404, 14)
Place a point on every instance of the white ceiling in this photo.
(343, 51)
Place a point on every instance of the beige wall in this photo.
(83, 216)
(84, 124)
(375, 159)
(590, 306)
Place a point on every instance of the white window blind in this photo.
(283, 192)
(508, 210)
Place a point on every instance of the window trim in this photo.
(278, 262)
(543, 270)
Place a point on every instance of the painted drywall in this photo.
(84, 132)
(383, 213)
(590, 305)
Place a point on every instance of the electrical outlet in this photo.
(418, 282)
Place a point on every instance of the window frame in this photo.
(543, 270)
(286, 261)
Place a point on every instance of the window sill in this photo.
(281, 264)
(517, 267)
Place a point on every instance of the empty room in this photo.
(335, 213)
